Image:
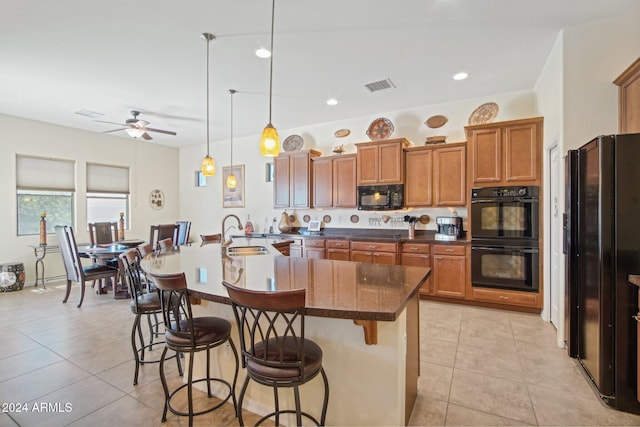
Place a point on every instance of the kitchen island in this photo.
(364, 316)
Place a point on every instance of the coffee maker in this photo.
(449, 228)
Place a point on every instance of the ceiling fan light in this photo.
(208, 166)
(135, 132)
(232, 182)
(270, 142)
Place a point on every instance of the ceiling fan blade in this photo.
(112, 123)
(168, 132)
(146, 136)
(114, 130)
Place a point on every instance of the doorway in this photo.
(555, 236)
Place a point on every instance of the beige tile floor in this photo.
(478, 367)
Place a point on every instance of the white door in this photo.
(555, 234)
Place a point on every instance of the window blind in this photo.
(45, 174)
(107, 179)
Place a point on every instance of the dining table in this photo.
(102, 253)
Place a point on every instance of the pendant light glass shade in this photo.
(270, 141)
(208, 167)
(232, 182)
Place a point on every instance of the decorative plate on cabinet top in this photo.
(293, 143)
(326, 219)
(355, 219)
(306, 218)
(380, 128)
(435, 122)
(484, 114)
(341, 133)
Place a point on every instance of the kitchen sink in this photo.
(246, 250)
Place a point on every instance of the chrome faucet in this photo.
(226, 242)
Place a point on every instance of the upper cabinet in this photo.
(334, 181)
(292, 179)
(436, 175)
(629, 99)
(505, 153)
(381, 162)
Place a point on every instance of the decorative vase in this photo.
(121, 227)
(43, 229)
(412, 230)
(285, 224)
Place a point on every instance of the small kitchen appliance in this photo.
(449, 228)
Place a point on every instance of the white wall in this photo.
(203, 205)
(152, 166)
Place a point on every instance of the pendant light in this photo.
(232, 182)
(270, 141)
(208, 165)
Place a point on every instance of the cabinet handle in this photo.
(372, 247)
(414, 249)
(424, 256)
(449, 250)
(503, 297)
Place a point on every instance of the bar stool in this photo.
(274, 349)
(142, 304)
(187, 334)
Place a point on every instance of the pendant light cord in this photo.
(232, 91)
(273, 9)
(208, 40)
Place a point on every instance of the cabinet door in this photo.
(317, 253)
(449, 279)
(337, 254)
(299, 180)
(344, 182)
(417, 188)
(521, 153)
(486, 156)
(367, 165)
(322, 182)
(281, 182)
(361, 256)
(387, 258)
(390, 163)
(419, 260)
(450, 177)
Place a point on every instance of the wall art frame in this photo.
(233, 197)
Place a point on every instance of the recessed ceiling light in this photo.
(332, 101)
(460, 76)
(263, 53)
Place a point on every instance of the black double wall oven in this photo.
(504, 238)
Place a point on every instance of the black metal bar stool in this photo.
(187, 334)
(274, 349)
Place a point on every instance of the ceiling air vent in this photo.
(380, 85)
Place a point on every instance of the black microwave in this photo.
(380, 197)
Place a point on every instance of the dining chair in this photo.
(274, 349)
(165, 245)
(101, 233)
(184, 227)
(144, 302)
(185, 333)
(162, 231)
(75, 271)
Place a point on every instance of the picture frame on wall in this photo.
(233, 197)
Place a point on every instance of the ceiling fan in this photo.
(136, 128)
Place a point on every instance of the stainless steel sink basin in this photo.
(246, 250)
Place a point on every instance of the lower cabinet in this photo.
(337, 250)
(525, 299)
(449, 272)
(295, 249)
(418, 255)
(374, 252)
(313, 248)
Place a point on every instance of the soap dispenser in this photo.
(248, 226)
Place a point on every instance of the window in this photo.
(44, 185)
(107, 193)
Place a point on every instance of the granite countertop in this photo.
(421, 236)
(335, 289)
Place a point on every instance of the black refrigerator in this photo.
(602, 247)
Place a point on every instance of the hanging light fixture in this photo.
(270, 141)
(232, 182)
(208, 165)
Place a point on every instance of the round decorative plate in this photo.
(435, 122)
(156, 199)
(424, 219)
(293, 143)
(484, 114)
(326, 219)
(306, 218)
(355, 218)
(341, 133)
(380, 129)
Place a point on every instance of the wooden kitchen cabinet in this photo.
(418, 255)
(313, 248)
(374, 252)
(505, 153)
(334, 181)
(337, 250)
(449, 272)
(381, 162)
(436, 176)
(292, 179)
(629, 99)
(295, 248)
(526, 299)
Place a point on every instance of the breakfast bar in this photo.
(363, 316)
